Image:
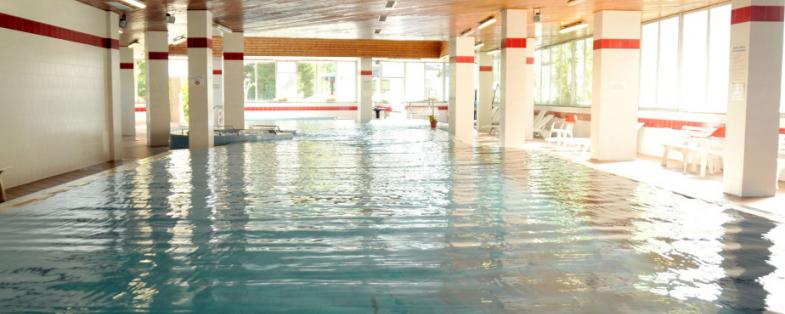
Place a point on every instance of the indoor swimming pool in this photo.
(379, 219)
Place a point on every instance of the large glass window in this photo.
(563, 74)
(684, 61)
(719, 43)
(668, 64)
(398, 82)
(310, 81)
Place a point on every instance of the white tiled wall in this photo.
(53, 113)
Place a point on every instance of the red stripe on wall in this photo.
(757, 13)
(199, 42)
(366, 72)
(610, 43)
(140, 109)
(529, 60)
(158, 55)
(442, 107)
(514, 43)
(462, 59)
(218, 72)
(302, 108)
(234, 56)
(486, 68)
(126, 66)
(42, 29)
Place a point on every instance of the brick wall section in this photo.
(306, 47)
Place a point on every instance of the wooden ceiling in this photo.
(409, 20)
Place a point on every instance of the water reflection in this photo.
(387, 218)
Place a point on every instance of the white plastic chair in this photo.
(541, 126)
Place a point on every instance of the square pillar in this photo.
(528, 91)
(485, 92)
(127, 91)
(461, 108)
(114, 108)
(200, 79)
(365, 110)
(234, 80)
(158, 116)
(218, 90)
(512, 132)
(754, 98)
(615, 86)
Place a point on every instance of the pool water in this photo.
(380, 219)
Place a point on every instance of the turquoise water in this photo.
(381, 219)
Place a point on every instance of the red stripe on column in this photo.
(609, 43)
(140, 109)
(233, 56)
(486, 68)
(152, 55)
(757, 13)
(126, 66)
(217, 72)
(514, 43)
(529, 60)
(462, 59)
(47, 30)
(366, 73)
(199, 42)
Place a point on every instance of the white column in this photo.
(485, 94)
(114, 107)
(461, 107)
(614, 110)
(512, 132)
(200, 79)
(127, 91)
(754, 98)
(365, 110)
(234, 78)
(158, 116)
(218, 91)
(528, 91)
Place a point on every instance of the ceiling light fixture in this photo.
(135, 3)
(569, 28)
(123, 21)
(382, 18)
(493, 52)
(178, 40)
(486, 22)
(479, 45)
(571, 3)
(390, 4)
(223, 29)
(133, 43)
(467, 31)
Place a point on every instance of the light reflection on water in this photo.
(382, 218)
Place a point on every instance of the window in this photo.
(668, 64)
(434, 81)
(563, 74)
(693, 60)
(685, 61)
(408, 81)
(649, 44)
(719, 59)
(310, 81)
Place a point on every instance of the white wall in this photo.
(53, 116)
